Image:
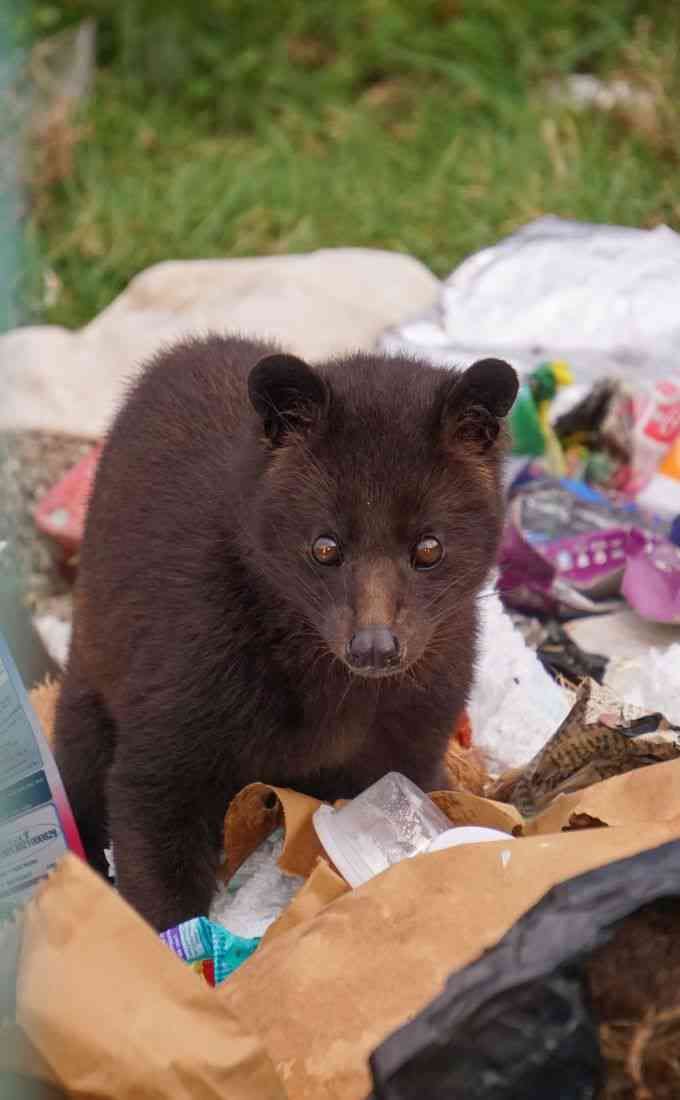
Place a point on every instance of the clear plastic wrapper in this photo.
(391, 821)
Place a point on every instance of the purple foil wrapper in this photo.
(564, 555)
(651, 582)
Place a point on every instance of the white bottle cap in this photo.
(342, 849)
(466, 834)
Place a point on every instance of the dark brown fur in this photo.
(209, 647)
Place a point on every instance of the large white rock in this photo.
(317, 305)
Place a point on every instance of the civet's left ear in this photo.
(473, 403)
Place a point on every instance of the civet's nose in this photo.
(373, 647)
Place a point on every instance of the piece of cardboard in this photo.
(36, 822)
(463, 808)
(254, 814)
(645, 795)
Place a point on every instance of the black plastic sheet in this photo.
(516, 1024)
(562, 657)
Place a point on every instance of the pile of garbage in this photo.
(575, 717)
(594, 515)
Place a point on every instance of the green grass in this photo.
(225, 128)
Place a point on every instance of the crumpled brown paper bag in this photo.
(335, 974)
(323, 994)
(114, 1014)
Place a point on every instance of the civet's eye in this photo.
(326, 551)
(427, 553)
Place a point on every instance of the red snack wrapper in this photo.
(61, 513)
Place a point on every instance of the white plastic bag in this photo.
(603, 297)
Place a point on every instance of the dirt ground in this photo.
(30, 464)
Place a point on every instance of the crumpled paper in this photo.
(338, 971)
(523, 1019)
(600, 738)
(324, 992)
(113, 1013)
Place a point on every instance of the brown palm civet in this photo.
(278, 582)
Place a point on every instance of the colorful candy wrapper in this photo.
(208, 948)
(657, 426)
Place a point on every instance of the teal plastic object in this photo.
(202, 941)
